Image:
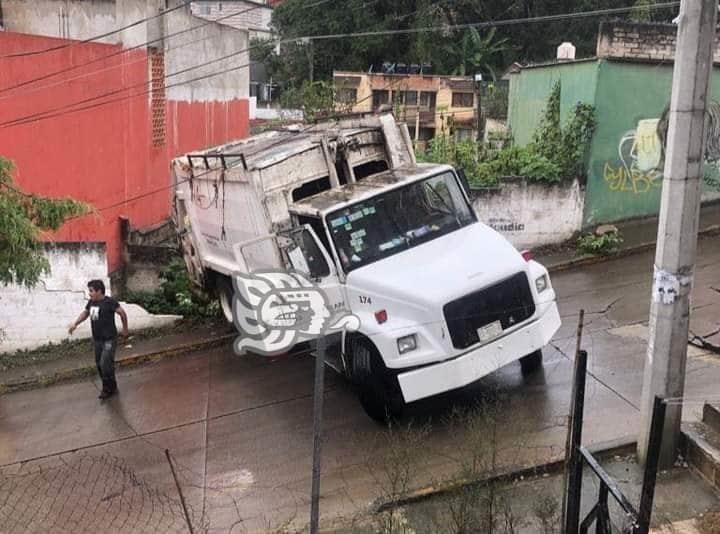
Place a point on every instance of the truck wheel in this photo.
(378, 388)
(225, 294)
(531, 363)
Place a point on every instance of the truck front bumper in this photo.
(473, 365)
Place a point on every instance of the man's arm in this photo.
(123, 318)
(84, 315)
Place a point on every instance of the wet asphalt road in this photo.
(238, 431)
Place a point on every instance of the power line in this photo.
(94, 72)
(68, 107)
(43, 115)
(493, 24)
(208, 171)
(141, 45)
(96, 37)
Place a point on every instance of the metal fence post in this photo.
(573, 472)
(568, 438)
(651, 466)
(317, 434)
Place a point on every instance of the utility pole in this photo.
(478, 109)
(678, 225)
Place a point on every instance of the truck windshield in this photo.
(400, 219)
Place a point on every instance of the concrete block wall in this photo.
(30, 318)
(640, 41)
(531, 214)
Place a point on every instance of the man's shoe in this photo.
(104, 395)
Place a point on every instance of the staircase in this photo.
(701, 444)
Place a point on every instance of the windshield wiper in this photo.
(449, 211)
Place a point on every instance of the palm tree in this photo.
(475, 52)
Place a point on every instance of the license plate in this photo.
(489, 331)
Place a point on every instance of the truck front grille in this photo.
(510, 302)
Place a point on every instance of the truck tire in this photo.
(225, 294)
(378, 388)
(531, 363)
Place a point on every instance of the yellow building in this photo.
(430, 104)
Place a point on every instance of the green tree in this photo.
(523, 41)
(23, 219)
(475, 52)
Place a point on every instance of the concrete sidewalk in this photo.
(132, 351)
(638, 235)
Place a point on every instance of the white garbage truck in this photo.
(442, 298)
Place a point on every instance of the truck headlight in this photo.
(541, 283)
(407, 343)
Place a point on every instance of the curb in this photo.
(602, 450)
(589, 259)
(132, 360)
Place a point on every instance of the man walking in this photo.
(101, 310)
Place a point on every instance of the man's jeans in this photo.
(105, 361)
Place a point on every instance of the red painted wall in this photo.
(102, 155)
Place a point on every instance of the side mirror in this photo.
(463, 181)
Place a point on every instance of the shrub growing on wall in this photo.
(555, 154)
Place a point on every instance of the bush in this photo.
(176, 295)
(517, 161)
(603, 245)
(555, 153)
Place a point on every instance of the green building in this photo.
(629, 85)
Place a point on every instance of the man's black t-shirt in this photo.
(102, 318)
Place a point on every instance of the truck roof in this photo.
(332, 199)
(269, 148)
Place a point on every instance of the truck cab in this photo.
(442, 298)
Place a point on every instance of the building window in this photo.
(462, 100)
(204, 9)
(380, 97)
(427, 99)
(157, 96)
(346, 95)
(405, 98)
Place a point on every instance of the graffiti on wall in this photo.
(504, 225)
(641, 155)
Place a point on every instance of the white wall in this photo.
(203, 45)
(531, 214)
(244, 15)
(82, 19)
(282, 114)
(30, 318)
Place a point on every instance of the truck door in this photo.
(308, 256)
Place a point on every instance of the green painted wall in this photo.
(617, 188)
(530, 88)
(625, 161)
(622, 183)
